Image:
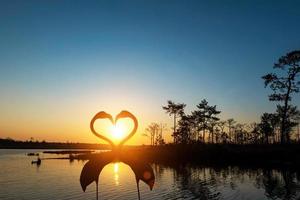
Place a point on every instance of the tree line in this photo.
(204, 125)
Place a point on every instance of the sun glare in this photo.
(117, 132)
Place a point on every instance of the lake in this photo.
(59, 179)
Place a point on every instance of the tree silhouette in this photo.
(230, 124)
(221, 125)
(205, 115)
(184, 130)
(292, 117)
(153, 129)
(266, 126)
(240, 133)
(193, 128)
(175, 110)
(159, 140)
(284, 86)
(255, 133)
(212, 129)
(298, 132)
(198, 123)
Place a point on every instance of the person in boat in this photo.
(38, 161)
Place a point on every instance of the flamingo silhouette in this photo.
(93, 167)
(122, 114)
(126, 114)
(102, 115)
(142, 170)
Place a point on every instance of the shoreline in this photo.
(212, 154)
(196, 153)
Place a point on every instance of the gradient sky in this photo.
(63, 61)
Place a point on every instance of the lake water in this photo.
(59, 179)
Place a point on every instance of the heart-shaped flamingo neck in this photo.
(123, 114)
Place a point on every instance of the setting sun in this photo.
(167, 99)
(117, 131)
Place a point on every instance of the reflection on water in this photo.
(59, 179)
(116, 175)
(237, 183)
(92, 169)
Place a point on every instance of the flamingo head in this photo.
(148, 178)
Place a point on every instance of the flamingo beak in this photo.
(151, 184)
(122, 114)
(111, 119)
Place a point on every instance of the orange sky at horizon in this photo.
(69, 119)
(67, 125)
(66, 116)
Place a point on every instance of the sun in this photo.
(117, 132)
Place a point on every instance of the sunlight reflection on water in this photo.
(59, 179)
(116, 171)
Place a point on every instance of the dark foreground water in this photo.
(59, 179)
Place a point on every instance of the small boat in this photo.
(38, 161)
(33, 154)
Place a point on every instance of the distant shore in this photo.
(13, 144)
(274, 155)
(213, 154)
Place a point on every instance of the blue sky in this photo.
(72, 58)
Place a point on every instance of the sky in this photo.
(61, 62)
